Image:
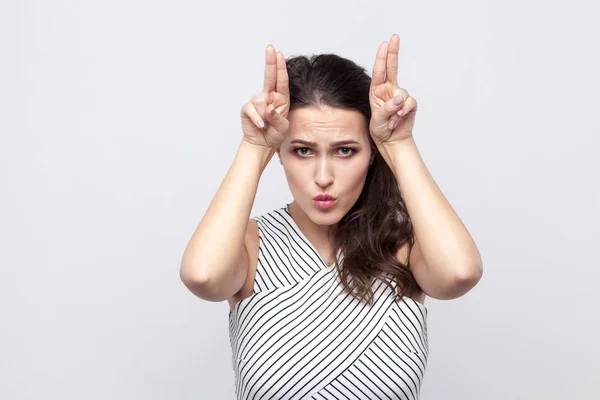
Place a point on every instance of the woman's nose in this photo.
(324, 172)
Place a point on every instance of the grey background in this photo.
(119, 120)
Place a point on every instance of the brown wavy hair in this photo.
(372, 231)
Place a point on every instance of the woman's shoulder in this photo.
(272, 215)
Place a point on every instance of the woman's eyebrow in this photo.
(313, 144)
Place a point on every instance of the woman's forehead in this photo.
(326, 125)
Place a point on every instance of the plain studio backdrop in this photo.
(120, 119)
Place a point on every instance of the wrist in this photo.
(394, 152)
(255, 154)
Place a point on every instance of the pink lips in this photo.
(324, 201)
(323, 197)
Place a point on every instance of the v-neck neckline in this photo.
(303, 236)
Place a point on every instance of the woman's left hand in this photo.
(390, 123)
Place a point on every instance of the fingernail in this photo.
(398, 99)
(261, 124)
(391, 124)
(401, 112)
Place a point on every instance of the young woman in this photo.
(327, 292)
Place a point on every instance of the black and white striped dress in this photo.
(295, 337)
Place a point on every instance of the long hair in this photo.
(378, 224)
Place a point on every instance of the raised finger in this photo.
(379, 67)
(392, 60)
(270, 70)
(282, 75)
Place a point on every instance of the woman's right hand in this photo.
(275, 96)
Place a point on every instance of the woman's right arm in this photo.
(215, 261)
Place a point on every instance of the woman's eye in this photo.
(349, 151)
(300, 148)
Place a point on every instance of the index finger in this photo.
(270, 70)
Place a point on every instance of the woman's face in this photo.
(315, 164)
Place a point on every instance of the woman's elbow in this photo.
(466, 280)
(459, 284)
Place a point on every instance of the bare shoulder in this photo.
(251, 247)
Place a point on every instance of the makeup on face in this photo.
(326, 153)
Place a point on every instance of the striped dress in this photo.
(296, 337)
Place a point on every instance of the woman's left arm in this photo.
(445, 260)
